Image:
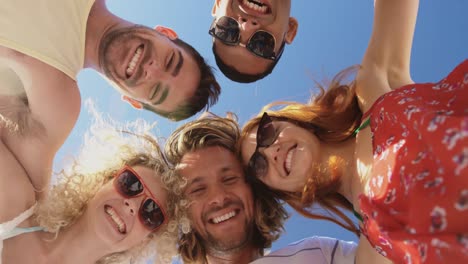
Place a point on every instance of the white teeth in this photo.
(113, 214)
(288, 160)
(133, 61)
(254, 6)
(224, 217)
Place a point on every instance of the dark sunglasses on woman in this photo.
(266, 135)
(129, 184)
(261, 43)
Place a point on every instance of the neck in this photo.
(100, 22)
(344, 152)
(246, 255)
(75, 244)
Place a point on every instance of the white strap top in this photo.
(10, 229)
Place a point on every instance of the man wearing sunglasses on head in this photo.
(232, 217)
(249, 36)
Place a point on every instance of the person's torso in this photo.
(52, 31)
(418, 183)
(41, 51)
(317, 250)
(18, 234)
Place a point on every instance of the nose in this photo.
(272, 152)
(154, 70)
(248, 26)
(217, 196)
(131, 206)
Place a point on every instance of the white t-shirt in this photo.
(316, 250)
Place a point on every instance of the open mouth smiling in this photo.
(288, 160)
(223, 218)
(258, 6)
(115, 219)
(134, 61)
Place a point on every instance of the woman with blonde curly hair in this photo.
(108, 207)
(404, 178)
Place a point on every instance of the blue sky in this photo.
(332, 35)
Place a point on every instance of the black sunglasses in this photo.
(266, 135)
(261, 43)
(129, 184)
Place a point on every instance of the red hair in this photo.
(333, 116)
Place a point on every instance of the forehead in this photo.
(208, 163)
(151, 180)
(236, 56)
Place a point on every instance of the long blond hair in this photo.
(107, 147)
(333, 116)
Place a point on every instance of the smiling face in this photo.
(289, 159)
(222, 206)
(149, 67)
(272, 16)
(115, 219)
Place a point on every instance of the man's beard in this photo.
(228, 244)
(112, 40)
(231, 242)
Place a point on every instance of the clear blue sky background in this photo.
(333, 34)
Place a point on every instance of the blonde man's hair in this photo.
(107, 147)
(269, 213)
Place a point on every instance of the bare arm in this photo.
(386, 62)
(45, 118)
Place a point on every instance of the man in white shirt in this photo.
(317, 250)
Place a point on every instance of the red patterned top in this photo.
(417, 207)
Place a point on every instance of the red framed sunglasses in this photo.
(129, 184)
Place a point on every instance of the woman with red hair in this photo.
(393, 152)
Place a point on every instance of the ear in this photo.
(215, 8)
(132, 102)
(168, 32)
(292, 30)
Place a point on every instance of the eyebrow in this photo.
(179, 65)
(163, 97)
(224, 169)
(200, 179)
(194, 181)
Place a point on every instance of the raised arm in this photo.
(43, 115)
(386, 62)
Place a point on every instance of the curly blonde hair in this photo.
(105, 150)
(269, 214)
(333, 116)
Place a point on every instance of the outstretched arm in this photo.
(386, 62)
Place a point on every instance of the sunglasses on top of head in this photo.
(266, 135)
(129, 184)
(261, 43)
